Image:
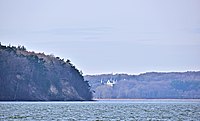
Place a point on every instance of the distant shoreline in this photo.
(121, 99)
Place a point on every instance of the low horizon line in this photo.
(114, 73)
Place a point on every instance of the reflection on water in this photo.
(102, 110)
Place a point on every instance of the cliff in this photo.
(148, 85)
(30, 76)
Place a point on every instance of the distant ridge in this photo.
(150, 85)
(162, 72)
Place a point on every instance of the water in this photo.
(164, 110)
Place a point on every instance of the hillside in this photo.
(30, 76)
(148, 85)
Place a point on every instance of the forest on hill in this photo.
(34, 76)
(151, 85)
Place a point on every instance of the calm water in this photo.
(172, 110)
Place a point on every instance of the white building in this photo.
(111, 83)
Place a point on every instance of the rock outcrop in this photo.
(30, 76)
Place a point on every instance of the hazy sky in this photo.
(108, 36)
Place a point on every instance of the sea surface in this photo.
(105, 110)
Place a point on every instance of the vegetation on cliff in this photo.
(148, 85)
(28, 75)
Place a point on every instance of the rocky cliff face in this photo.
(38, 77)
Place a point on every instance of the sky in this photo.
(108, 36)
